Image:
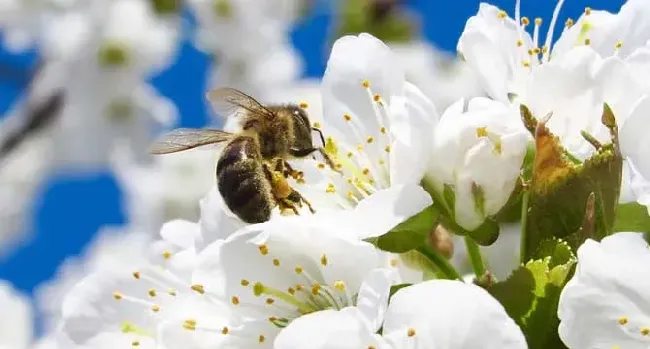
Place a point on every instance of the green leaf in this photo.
(562, 193)
(632, 217)
(410, 234)
(389, 24)
(531, 294)
(396, 288)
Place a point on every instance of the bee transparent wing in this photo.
(187, 138)
(230, 102)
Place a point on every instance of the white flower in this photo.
(16, 328)
(275, 272)
(130, 305)
(19, 22)
(437, 314)
(376, 126)
(113, 248)
(605, 304)
(442, 77)
(572, 80)
(478, 149)
(168, 188)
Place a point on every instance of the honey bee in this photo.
(252, 169)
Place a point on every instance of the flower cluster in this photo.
(405, 192)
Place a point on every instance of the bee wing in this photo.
(187, 138)
(230, 102)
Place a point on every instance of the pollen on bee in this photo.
(303, 105)
(365, 83)
(347, 117)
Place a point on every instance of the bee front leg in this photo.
(301, 153)
(298, 198)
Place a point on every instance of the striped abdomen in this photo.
(241, 181)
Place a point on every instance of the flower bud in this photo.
(441, 241)
(478, 150)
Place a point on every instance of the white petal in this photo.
(181, 233)
(634, 142)
(372, 299)
(15, 329)
(217, 221)
(449, 314)
(328, 329)
(605, 303)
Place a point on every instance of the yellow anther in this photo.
(370, 140)
(538, 21)
(315, 289)
(365, 83)
(299, 287)
(530, 51)
(365, 171)
(544, 49)
(190, 324)
(520, 43)
(619, 44)
(537, 50)
(117, 296)
(502, 14)
(304, 105)
(387, 148)
(410, 332)
(198, 289)
(298, 270)
(155, 308)
(136, 275)
(224, 330)
(338, 165)
(568, 23)
(645, 331)
(371, 347)
(270, 301)
(171, 292)
(349, 194)
(135, 343)
(261, 339)
(291, 291)
(151, 292)
(347, 117)
(317, 124)
(330, 189)
(167, 254)
(587, 41)
(376, 98)
(383, 130)
(481, 131)
(381, 162)
(587, 11)
(235, 300)
(276, 262)
(323, 260)
(244, 282)
(339, 285)
(393, 262)
(526, 64)
(525, 21)
(349, 154)
(622, 320)
(273, 319)
(360, 148)
(321, 166)
(264, 250)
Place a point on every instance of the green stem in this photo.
(475, 257)
(445, 269)
(524, 218)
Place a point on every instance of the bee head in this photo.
(301, 128)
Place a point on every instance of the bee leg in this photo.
(298, 198)
(286, 204)
(299, 153)
(291, 172)
(329, 161)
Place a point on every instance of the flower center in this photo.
(362, 156)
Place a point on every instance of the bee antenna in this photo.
(320, 133)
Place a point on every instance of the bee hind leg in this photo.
(286, 204)
(299, 199)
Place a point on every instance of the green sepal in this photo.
(632, 217)
(409, 234)
(165, 7)
(560, 192)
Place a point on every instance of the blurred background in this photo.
(85, 85)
